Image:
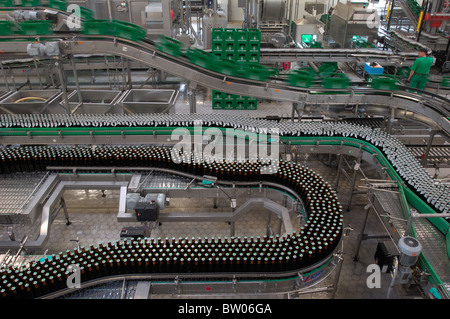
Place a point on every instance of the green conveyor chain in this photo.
(408, 195)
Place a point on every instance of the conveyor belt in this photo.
(436, 107)
(400, 162)
(357, 56)
(281, 257)
(399, 156)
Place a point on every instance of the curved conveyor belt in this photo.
(420, 189)
(427, 106)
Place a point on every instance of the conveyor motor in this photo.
(146, 208)
(147, 211)
(410, 250)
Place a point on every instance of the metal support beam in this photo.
(413, 215)
(77, 83)
(339, 168)
(361, 234)
(353, 181)
(192, 98)
(427, 151)
(391, 10)
(63, 86)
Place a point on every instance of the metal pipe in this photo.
(390, 10)
(339, 170)
(5, 78)
(427, 151)
(361, 234)
(108, 2)
(413, 214)
(421, 17)
(38, 73)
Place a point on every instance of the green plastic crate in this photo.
(216, 34)
(199, 57)
(242, 35)
(253, 58)
(241, 102)
(305, 71)
(259, 72)
(128, 31)
(242, 47)
(218, 55)
(230, 46)
(58, 4)
(336, 81)
(217, 45)
(233, 47)
(95, 27)
(229, 104)
(300, 80)
(31, 3)
(254, 47)
(134, 32)
(327, 69)
(227, 96)
(35, 27)
(229, 35)
(86, 14)
(252, 103)
(385, 82)
(170, 46)
(5, 27)
(445, 81)
(229, 56)
(7, 3)
(218, 105)
(217, 95)
(241, 57)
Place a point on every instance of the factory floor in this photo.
(93, 216)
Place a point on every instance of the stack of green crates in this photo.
(238, 45)
(414, 6)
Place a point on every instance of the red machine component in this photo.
(436, 19)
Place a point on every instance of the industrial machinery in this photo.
(410, 250)
(353, 19)
(308, 31)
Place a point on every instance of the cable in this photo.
(30, 98)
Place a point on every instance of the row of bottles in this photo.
(266, 254)
(407, 166)
(315, 241)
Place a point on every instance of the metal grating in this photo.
(119, 289)
(390, 204)
(434, 247)
(18, 190)
(163, 180)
